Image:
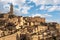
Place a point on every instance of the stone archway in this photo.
(23, 37)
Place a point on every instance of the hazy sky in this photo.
(50, 9)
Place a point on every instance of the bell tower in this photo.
(11, 9)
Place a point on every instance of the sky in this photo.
(49, 9)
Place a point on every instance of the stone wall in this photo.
(10, 37)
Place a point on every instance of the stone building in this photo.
(34, 20)
(20, 20)
(58, 27)
(39, 29)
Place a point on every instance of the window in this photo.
(1, 16)
(2, 22)
(25, 23)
